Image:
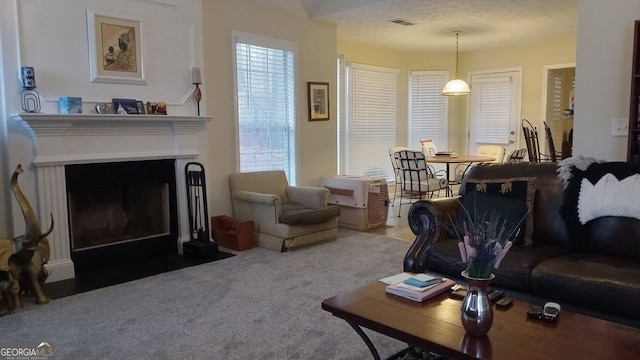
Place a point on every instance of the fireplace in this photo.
(121, 211)
(91, 144)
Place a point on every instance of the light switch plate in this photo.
(619, 127)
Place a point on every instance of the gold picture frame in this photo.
(318, 100)
(115, 48)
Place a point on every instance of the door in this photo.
(494, 108)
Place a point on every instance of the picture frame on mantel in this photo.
(318, 100)
(115, 48)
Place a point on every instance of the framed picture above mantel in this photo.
(318, 100)
(115, 48)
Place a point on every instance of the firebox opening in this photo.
(105, 216)
(121, 212)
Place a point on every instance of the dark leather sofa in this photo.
(595, 267)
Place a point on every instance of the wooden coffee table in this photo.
(435, 326)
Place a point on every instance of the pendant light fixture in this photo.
(456, 86)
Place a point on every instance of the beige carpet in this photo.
(259, 304)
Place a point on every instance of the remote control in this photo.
(535, 310)
(495, 295)
(504, 303)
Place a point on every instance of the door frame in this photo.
(545, 83)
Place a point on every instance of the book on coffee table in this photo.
(400, 289)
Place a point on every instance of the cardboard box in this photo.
(227, 232)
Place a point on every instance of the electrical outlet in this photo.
(619, 127)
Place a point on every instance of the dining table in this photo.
(458, 159)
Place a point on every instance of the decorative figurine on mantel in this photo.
(30, 97)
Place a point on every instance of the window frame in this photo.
(346, 139)
(413, 140)
(273, 43)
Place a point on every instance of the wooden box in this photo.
(227, 232)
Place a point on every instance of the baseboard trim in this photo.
(60, 270)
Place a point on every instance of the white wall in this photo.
(603, 75)
(52, 37)
(316, 42)
(8, 66)
(531, 57)
(179, 34)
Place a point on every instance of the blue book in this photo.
(442, 286)
(422, 280)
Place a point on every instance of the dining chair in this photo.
(554, 155)
(418, 178)
(516, 156)
(396, 170)
(533, 143)
(531, 139)
(495, 151)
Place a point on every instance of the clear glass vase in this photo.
(476, 312)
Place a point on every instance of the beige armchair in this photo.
(285, 216)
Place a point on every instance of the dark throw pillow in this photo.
(510, 200)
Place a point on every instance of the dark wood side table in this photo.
(435, 326)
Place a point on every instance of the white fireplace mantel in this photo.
(62, 139)
(60, 124)
(82, 138)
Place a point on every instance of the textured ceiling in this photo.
(484, 24)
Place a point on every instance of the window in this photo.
(428, 108)
(265, 85)
(370, 126)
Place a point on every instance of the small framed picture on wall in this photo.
(318, 97)
(141, 109)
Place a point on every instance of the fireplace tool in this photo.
(199, 244)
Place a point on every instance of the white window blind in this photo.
(371, 120)
(491, 107)
(562, 87)
(556, 105)
(266, 106)
(428, 108)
